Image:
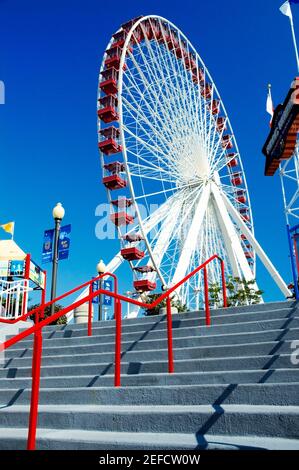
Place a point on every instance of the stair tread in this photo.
(150, 409)
(162, 440)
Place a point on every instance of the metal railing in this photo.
(41, 322)
(13, 298)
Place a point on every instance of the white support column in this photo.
(193, 233)
(164, 237)
(259, 251)
(230, 252)
(114, 264)
(231, 236)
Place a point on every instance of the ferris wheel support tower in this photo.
(282, 153)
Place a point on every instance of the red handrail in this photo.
(36, 329)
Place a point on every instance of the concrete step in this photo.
(263, 308)
(279, 394)
(157, 379)
(192, 319)
(144, 344)
(230, 328)
(282, 361)
(79, 439)
(259, 420)
(133, 354)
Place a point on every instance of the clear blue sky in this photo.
(50, 54)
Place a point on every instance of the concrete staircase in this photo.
(234, 385)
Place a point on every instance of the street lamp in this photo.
(101, 269)
(58, 214)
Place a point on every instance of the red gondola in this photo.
(113, 58)
(132, 254)
(221, 124)
(172, 42)
(227, 142)
(144, 285)
(215, 107)
(113, 182)
(232, 162)
(108, 112)
(241, 198)
(110, 145)
(115, 167)
(128, 25)
(245, 214)
(122, 202)
(109, 83)
(236, 179)
(133, 237)
(119, 38)
(206, 91)
(121, 218)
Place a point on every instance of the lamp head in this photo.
(58, 211)
(101, 267)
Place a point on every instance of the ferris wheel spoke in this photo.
(159, 155)
(166, 159)
(145, 161)
(183, 96)
(143, 171)
(162, 68)
(155, 76)
(155, 97)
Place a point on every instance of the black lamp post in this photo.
(58, 214)
(101, 269)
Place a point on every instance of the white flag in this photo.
(269, 106)
(286, 9)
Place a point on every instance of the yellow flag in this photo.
(9, 227)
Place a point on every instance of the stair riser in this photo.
(253, 327)
(188, 353)
(143, 345)
(268, 394)
(182, 321)
(280, 376)
(201, 365)
(262, 308)
(260, 424)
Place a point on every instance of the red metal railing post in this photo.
(89, 325)
(223, 284)
(36, 366)
(118, 321)
(207, 305)
(169, 336)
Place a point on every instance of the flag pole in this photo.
(294, 39)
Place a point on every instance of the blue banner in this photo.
(64, 242)
(95, 287)
(107, 285)
(48, 246)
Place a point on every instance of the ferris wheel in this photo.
(171, 165)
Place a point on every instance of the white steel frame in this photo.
(13, 302)
(173, 157)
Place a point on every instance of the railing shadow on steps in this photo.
(41, 322)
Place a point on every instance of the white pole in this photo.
(294, 40)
